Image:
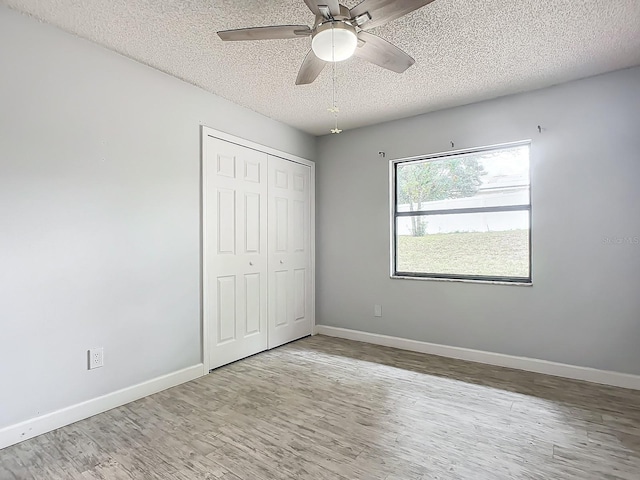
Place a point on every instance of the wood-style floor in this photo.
(324, 408)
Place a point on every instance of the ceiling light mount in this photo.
(325, 11)
(334, 41)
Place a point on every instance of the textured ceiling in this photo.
(465, 51)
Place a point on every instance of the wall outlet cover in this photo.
(96, 358)
(377, 310)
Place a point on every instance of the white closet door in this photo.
(290, 281)
(235, 250)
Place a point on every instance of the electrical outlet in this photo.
(377, 310)
(96, 358)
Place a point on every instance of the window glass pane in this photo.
(473, 244)
(483, 179)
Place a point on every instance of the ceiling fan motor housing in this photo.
(326, 16)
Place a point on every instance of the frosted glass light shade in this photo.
(334, 42)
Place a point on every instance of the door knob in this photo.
(250, 263)
(281, 261)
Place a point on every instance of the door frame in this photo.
(212, 132)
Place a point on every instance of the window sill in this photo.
(462, 280)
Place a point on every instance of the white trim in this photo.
(460, 151)
(206, 355)
(461, 280)
(604, 377)
(45, 423)
(227, 137)
(312, 239)
(392, 218)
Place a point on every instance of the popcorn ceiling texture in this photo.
(465, 51)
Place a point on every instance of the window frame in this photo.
(394, 215)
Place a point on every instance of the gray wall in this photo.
(584, 306)
(99, 216)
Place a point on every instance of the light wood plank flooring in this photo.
(324, 408)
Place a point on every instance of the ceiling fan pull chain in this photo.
(333, 67)
(334, 107)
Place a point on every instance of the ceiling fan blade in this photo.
(382, 53)
(310, 69)
(383, 11)
(265, 33)
(332, 5)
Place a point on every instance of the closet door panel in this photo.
(289, 251)
(226, 299)
(252, 233)
(299, 294)
(253, 302)
(235, 246)
(281, 219)
(280, 297)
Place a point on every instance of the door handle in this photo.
(250, 264)
(281, 261)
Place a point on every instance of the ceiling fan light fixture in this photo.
(334, 41)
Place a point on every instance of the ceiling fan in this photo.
(338, 33)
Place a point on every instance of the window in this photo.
(463, 215)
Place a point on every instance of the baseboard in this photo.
(45, 423)
(593, 375)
